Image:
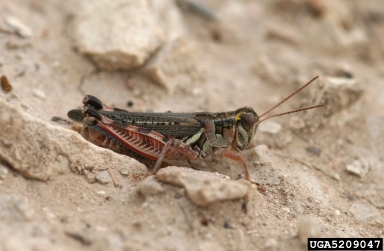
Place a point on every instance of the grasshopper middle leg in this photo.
(175, 146)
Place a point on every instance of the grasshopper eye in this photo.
(248, 121)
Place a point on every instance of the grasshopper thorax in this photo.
(246, 124)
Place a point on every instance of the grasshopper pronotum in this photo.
(153, 137)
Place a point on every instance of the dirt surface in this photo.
(240, 53)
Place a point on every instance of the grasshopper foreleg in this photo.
(210, 133)
(238, 156)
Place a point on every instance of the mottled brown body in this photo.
(153, 137)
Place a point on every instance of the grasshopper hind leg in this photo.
(161, 158)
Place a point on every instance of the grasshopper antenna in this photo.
(284, 113)
(290, 96)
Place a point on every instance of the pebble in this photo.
(56, 64)
(283, 34)
(269, 127)
(136, 33)
(295, 122)
(351, 197)
(39, 94)
(342, 96)
(103, 178)
(84, 237)
(254, 231)
(3, 172)
(18, 27)
(91, 178)
(308, 228)
(262, 150)
(315, 150)
(271, 243)
(283, 140)
(262, 154)
(361, 167)
(204, 188)
(199, 7)
(173, 64)
(286, 209)
(124, 171)
(343, 71)
(150, 186)
(366, 213)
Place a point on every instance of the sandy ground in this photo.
(255, 54)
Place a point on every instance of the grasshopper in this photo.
(154, 137)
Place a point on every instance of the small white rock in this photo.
(38, 93)
(103, 178)
(18, 27)
(56, 64)
(286, 209)
(204, 188)
(124, 171)
(285, 35)
(150, 186)
(269, 127)
(254, 231)
(102, 192)
(270, 243)
(361, 167)
(263, 154)
(173, 65)
(196, 91)
(336, 176)
(3, 172)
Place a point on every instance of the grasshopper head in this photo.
(246, 124)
